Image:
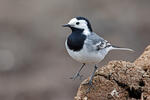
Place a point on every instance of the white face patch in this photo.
(80, 24)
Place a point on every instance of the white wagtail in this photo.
(85, 46)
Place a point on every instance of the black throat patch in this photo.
(76, 39)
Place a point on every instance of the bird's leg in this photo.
(78, 73)
(90, 83)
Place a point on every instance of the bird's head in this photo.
(80, 23)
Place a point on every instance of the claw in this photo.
(76, 76)
(90, 85)
(78, 73)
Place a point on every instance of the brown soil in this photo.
(120, 80)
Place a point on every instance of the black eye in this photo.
(77, 23)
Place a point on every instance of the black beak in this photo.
(66, 25)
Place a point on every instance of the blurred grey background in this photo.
(34, 64)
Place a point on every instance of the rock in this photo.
(120, 80)
(144, 60)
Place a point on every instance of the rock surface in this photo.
(120, 80)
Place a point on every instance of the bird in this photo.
(85, 46)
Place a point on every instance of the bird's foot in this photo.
(76, 76)
(90, 85)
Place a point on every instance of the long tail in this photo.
(120, 48)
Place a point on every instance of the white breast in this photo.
(84, 56)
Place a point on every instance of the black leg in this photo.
(91, 79)
(78, 73)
